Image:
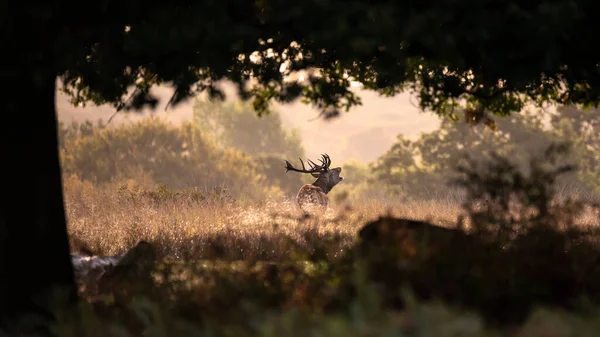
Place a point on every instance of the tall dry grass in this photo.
(540, 267)
(213, 225)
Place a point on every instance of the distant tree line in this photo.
(226, 145)
(422, 168)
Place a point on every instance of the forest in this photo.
(485, 226)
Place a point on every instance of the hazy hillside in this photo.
(364, 133)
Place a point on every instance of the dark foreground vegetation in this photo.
(518, 249)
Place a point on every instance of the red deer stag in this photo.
(315, 194)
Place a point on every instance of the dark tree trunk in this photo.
(35, 264)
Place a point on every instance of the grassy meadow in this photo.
(502, 251)
(110, 219)
(230, 266)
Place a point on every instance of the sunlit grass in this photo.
(238, 261)
(109, 219)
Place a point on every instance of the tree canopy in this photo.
(492, 56)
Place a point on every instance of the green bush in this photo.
(175, 156)
(421, 168)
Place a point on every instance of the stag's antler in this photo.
(315, 170)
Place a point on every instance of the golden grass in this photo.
(109, 219)
(200, 226)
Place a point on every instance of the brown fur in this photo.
(315, 194)
(311, 195)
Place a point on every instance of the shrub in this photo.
(177, 157)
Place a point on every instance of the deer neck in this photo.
(322, 184)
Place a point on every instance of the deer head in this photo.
(326, 178)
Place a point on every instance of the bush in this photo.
(151, 149)
(523, 247)
(421, 167)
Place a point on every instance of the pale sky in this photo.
(364, 133)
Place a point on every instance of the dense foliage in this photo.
(176, 156)
(387, 47)
(422, 167)
(153, 152)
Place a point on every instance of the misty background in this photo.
(364, 133)
(387, 147)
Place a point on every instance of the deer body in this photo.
(315, 194)
(311, 195)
